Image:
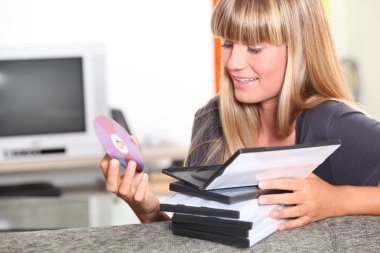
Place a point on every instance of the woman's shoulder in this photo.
(360, 138)
(318, 121)
(331, 107)
(326, 111)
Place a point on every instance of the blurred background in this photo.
(159, 69)
(159, 55)
(159, 58)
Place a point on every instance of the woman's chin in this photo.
(245, 98)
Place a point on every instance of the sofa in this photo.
(342, 234)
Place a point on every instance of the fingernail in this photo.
(281, 227)
(262, 184)
(132, 163)
(145, 177)
(113, 164)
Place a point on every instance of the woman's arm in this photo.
(360, 200)
(313, 199)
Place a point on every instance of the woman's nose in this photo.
(237, 59)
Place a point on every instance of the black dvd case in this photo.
(226, 196)
(211, 221)
(236, 232)
(200, 177)
(199, 210)
(195, 177)
(224, 239)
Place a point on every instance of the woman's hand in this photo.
(311, 199)
(133, 188)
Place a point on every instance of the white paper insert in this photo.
(249, 168)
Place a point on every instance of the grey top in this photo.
(356, 162)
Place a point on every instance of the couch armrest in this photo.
(343, 234)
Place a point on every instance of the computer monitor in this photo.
(49, 97)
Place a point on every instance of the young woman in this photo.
(281, 84)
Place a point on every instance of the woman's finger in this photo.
(134, 139)
(113, 177)
(288, 212)
(126, 184)
(282, 199)
(295, 223)
(141, 189)
(104, 164)
(283, 184)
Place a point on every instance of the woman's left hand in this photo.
(311, 199)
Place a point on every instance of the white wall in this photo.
(159, 53)
(356, 26)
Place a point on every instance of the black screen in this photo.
(41, 96)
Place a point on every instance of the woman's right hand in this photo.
(133, 188)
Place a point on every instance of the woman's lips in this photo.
(244, 81)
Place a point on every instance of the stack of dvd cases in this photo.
(219, 203)
(240, 221)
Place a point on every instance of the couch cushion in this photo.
(344, 234)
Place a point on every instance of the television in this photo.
(49, 97)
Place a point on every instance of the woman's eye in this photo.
(227, 45)
(254, 50)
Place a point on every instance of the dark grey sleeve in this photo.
(357, 161)
(197, 151)
(206, 129)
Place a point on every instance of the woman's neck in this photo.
(269, 135)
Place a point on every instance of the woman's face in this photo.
(257, 72)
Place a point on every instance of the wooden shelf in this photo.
(160, 183)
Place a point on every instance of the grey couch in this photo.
(345, 234)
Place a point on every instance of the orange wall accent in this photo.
(217, 58)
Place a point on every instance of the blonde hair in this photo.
(313, 73)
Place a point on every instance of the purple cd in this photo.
(117, 142)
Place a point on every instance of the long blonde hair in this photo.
(313, 72)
